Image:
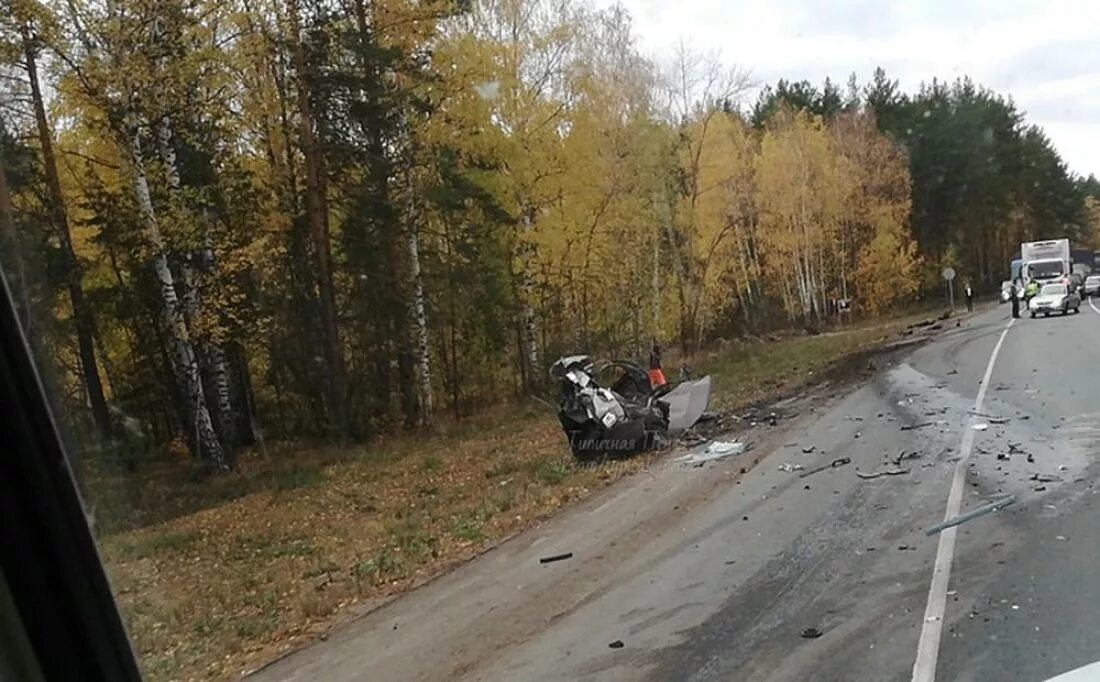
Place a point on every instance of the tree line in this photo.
(327, 219)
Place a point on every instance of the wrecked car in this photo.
(610, 408)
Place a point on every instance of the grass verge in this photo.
(215, 576)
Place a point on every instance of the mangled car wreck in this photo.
(611, 408)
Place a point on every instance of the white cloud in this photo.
(1044, 54)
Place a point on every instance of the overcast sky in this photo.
(1045, 54)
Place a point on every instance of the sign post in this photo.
(949, 275)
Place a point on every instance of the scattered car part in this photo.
(556, 557)
(972, 514)
(884, 472)
(911, 427)
(839, 462)
(716, 450)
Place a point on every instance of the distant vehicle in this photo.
(1083, 261)
(1091, 286)
(1053, 298)
(1006, 291)
(1045, 261)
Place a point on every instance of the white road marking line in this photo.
(1094, 309)
(928, 649)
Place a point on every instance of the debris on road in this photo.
(811, 633)
(556, 557)
(790, 468)
(993, 419)
(1045, 478)
(954, 371)
(1002, 456)
(839, 462)
(773, 419)
(903, 455)
(884, 472)
(980, 427)
(808, 449)
(911, 427)
(972, 514)
(1015, 449)
(716, 450)
(617, 644)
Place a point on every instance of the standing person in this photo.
(969, 298)
(1014, 296)
(656, 374)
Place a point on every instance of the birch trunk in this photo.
(417, 319)
(184, 360)
(212, 356)
(528, 322)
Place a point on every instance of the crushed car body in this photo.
(610, 408)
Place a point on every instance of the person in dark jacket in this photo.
(1014, 296)
(656, 374)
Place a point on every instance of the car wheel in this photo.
(1033, 316)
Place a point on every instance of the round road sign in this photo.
(949, 273)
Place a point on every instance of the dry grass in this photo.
(215, 576)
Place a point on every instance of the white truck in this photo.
(1045, 261)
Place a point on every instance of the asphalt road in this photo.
(713, 573)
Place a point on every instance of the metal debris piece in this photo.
(1046, 478)
(617, 644)
(980, 427)
(911, 427)
(996, 505)
(808, 449)
(903, 455)
(716, 450)
(884, 472)
(790, 468)
(811, 633)
(839, 462)
(556, 557)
